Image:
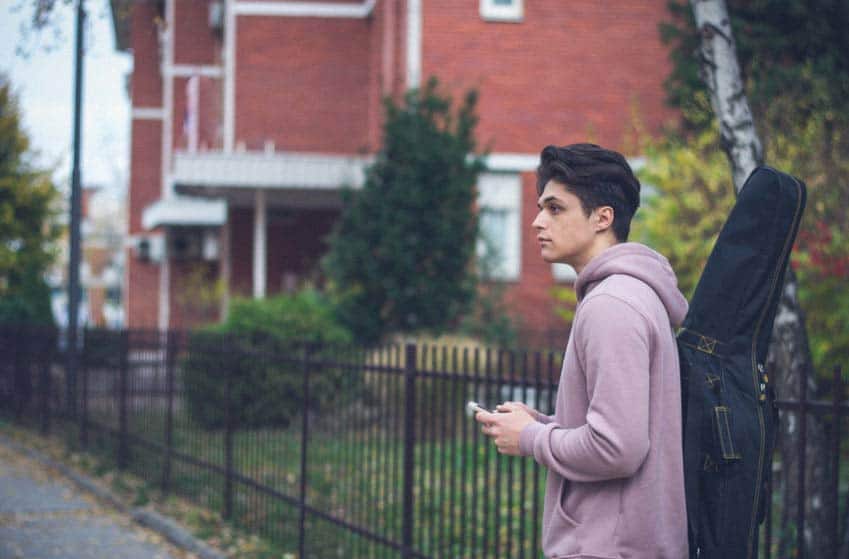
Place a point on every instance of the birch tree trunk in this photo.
(721, 73)
(789, 354)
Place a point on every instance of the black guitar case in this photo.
(729, 415)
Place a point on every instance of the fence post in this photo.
(123, 437)
(409, 449)
(84, 398)
(228, 437)
(835, 457)
(22, 383)
(302, 522)
(44, 382)
(803, 440)
(170, 355)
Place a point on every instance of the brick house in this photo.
(248, 117)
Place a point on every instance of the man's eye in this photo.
(554, 209)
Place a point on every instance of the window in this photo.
(499, 199)
(563, 272)
(501, 10)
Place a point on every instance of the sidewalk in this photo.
(43, 516)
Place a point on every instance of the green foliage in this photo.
(306, 316)
(693, 199)
(256, 357)
(567, 302)
(400, 259)
(819, 154)
(794, 56)
(27, 226)
(489, 319)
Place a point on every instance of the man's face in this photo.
(564, 232)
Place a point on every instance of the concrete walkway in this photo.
(43, 516)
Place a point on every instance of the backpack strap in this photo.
(702, 342)
(693, 408)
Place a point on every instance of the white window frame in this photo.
(503, 191)
(563, 273)
(491, 11)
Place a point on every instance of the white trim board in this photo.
(187, 71)
(148, 113)
(304, 9)
(512, 162)
(530, 162)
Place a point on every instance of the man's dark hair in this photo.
(597, 176)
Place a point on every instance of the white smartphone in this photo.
(475, 407)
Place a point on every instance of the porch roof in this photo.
(181, 210)
(212, 174)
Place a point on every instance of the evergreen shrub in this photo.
(256, 357)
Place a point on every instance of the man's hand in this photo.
(504, 427)
(531, 411)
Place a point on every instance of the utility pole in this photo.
(74, 261)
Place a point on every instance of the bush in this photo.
(28, 303)
(256, 356)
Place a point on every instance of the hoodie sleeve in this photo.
(613, 348)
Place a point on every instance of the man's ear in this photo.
(603, 218)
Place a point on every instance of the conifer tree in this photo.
(401, 257)
(27, 228)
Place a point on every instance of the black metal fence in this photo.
(338, 451)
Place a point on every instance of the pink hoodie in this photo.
(613, 446)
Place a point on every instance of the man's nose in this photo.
(537, 223)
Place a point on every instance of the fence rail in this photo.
(339, 451)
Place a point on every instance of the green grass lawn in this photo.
(468, 500)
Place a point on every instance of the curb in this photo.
(150, 519)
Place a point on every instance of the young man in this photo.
(612, 448)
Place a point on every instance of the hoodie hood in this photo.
(642, 263)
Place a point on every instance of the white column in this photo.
(165, 284)
(414, 43)
(260, 253)
(168, 98)
(226, 266)
(229, 116)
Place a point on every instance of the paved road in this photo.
(44, 517)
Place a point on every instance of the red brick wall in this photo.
(145, 177)
(570, 71)
(377, 36)
(142, 301)
(195, 42)
(321, 1)
(302, 83)
(146, 82)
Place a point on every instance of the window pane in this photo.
(499, 203)
(493, 241)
